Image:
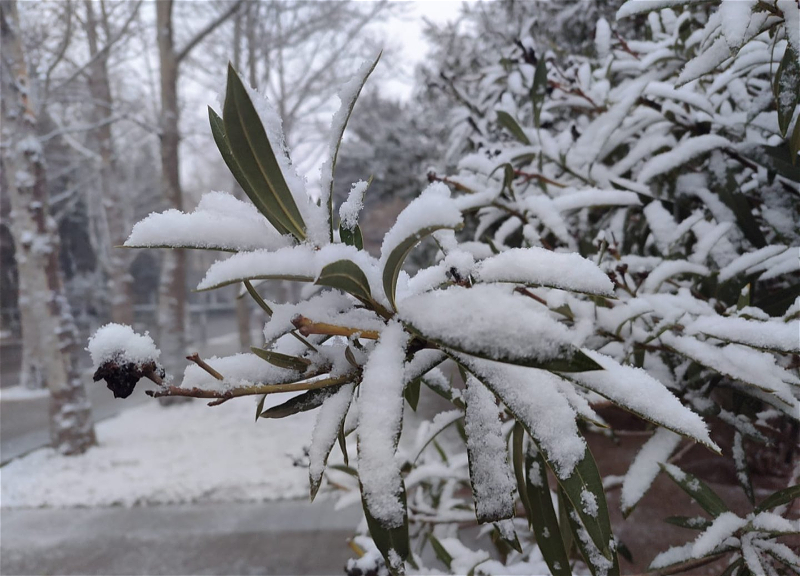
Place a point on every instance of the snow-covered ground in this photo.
(152, 454)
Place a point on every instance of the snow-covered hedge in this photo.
(620, 231)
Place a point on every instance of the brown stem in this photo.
(253, 390)
(199, 361)
(533, 176)
(529, 294)
(306, 327)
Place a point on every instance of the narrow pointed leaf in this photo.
(539, 91)
(518, 461)
(787, 87)
(394, 263)
(778, 498)
(508, 122)
(301, 403)
(599, 563)
(490, 474)
(411, 393)
(218, 131)
(691, 523)
(697, 489)
(253, 152)
(347, 276)
(543, 516)
(441, 552)
(281, 360)
(326, 431)
(352, 237)
(340, 120)
(393, 543)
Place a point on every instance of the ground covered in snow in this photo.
(153, 454)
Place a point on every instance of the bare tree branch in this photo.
(206, 31)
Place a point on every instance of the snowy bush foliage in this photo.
(621, 227)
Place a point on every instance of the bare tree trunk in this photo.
(172, 290)
(112, 204)
(35, 235)
(242, 304)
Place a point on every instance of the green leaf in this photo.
(539, 91)
(441, 552)
(778, 159)
(787, 87)
(411, 393)
(347, 276)
(584, 480)
(518, 460)
(332, 412)
(573, 360)
(599, 565)
(282, 360)
(778, 498)
(343, 445)
(253, 153)
(740, 462)
(394, 262)
(697, 489)
(260, 406)
(349, 105)
(509, 123)
(794, 143)
(691, 523)
(302, 403)
(218, 131)
(393, 543)
(543, 516)
(352, 237)
(730, 195)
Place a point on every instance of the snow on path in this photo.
(166, 455)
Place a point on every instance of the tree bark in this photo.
(112, 206)
(172, 289)
(48, 320)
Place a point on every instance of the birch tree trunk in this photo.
(48, 319)
(172, 320)
(172, 289)
(112, 206)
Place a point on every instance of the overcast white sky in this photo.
(408, 32)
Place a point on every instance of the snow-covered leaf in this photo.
(254, 154)
(490, 474)
(330, 419)
(502, 327)
(645, 467)
(347, 276)
(432, 211)
(636, 391)
(348, 95)
(537, 266)
(304, 402)
(697, 489)
(787, 87)
(543, 516)
(601, 561)
(281, 360)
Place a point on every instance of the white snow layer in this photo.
(645, 467)
(238, 370)
(350, 208)
(220, 221)
(329, 421)
(545, 268)
(637, 391)
(492, 483)
(380, 415)
(501, 325)
(192, 454)
(773, 335)
(532, 395)
(119, 343)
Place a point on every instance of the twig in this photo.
(221, 396)
(529, 294)
(530, 176)
(199, 361)
(683, 567)
(306, 327)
